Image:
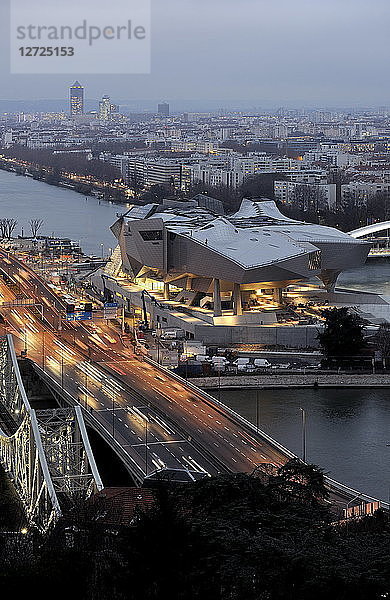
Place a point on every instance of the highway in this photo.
(159, 422)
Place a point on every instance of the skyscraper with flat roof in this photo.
(76, 99)
(163, 109)
(105, 108)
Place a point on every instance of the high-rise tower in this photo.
(76, 99)
(105, 108)
(163, 109)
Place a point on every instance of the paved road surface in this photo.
(158, 421)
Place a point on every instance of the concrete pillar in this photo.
(217, 298)
(278, 295)
(166, 291)
(237, 302)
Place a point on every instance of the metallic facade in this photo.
(256, 247)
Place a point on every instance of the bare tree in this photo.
(10, 225)
(382, 341)
(35, 226)
(3, 228)
(308, 197)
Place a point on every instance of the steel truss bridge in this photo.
(46, 453)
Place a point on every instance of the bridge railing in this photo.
(46, 453)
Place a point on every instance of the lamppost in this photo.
(113, 413)
(303, 434)
(146, 445)
(43, 350)
(257, 411)
(86, 389)
(62, 370)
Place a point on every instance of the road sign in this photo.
(79, 315)
(110, 310)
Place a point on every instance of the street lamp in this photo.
(146, 445)
(43, 350)
(303, 434)
(113, 413)
(62, 370)
(86, 389)
(257, 411)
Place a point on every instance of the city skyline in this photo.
(301, 54)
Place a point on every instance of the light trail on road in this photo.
(156, 419)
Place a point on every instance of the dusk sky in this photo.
(242, 53)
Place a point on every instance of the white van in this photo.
(262, 363)
(241, 363)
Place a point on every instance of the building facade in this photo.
(76, 99)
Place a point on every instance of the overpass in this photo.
(153, 420)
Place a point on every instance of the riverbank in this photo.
(66, 214)
(294, 380)
(84, 185)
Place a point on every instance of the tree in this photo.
(3, 228)
(261, 185)
(9, 227)
(343, 334)
(157, 193)
(303, 481)
(35, 226)
(382, 341)
(136, 183)
(308, 198)
(229, 197)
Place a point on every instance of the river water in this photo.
(65, 212)
(347, 430)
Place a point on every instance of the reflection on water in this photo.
(65, 213)
(347, 429)
(373, 277)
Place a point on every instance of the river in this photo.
(347, 430)
(65, 212)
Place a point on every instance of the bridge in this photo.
(157, 423)
(380, 245)
(45, 452)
